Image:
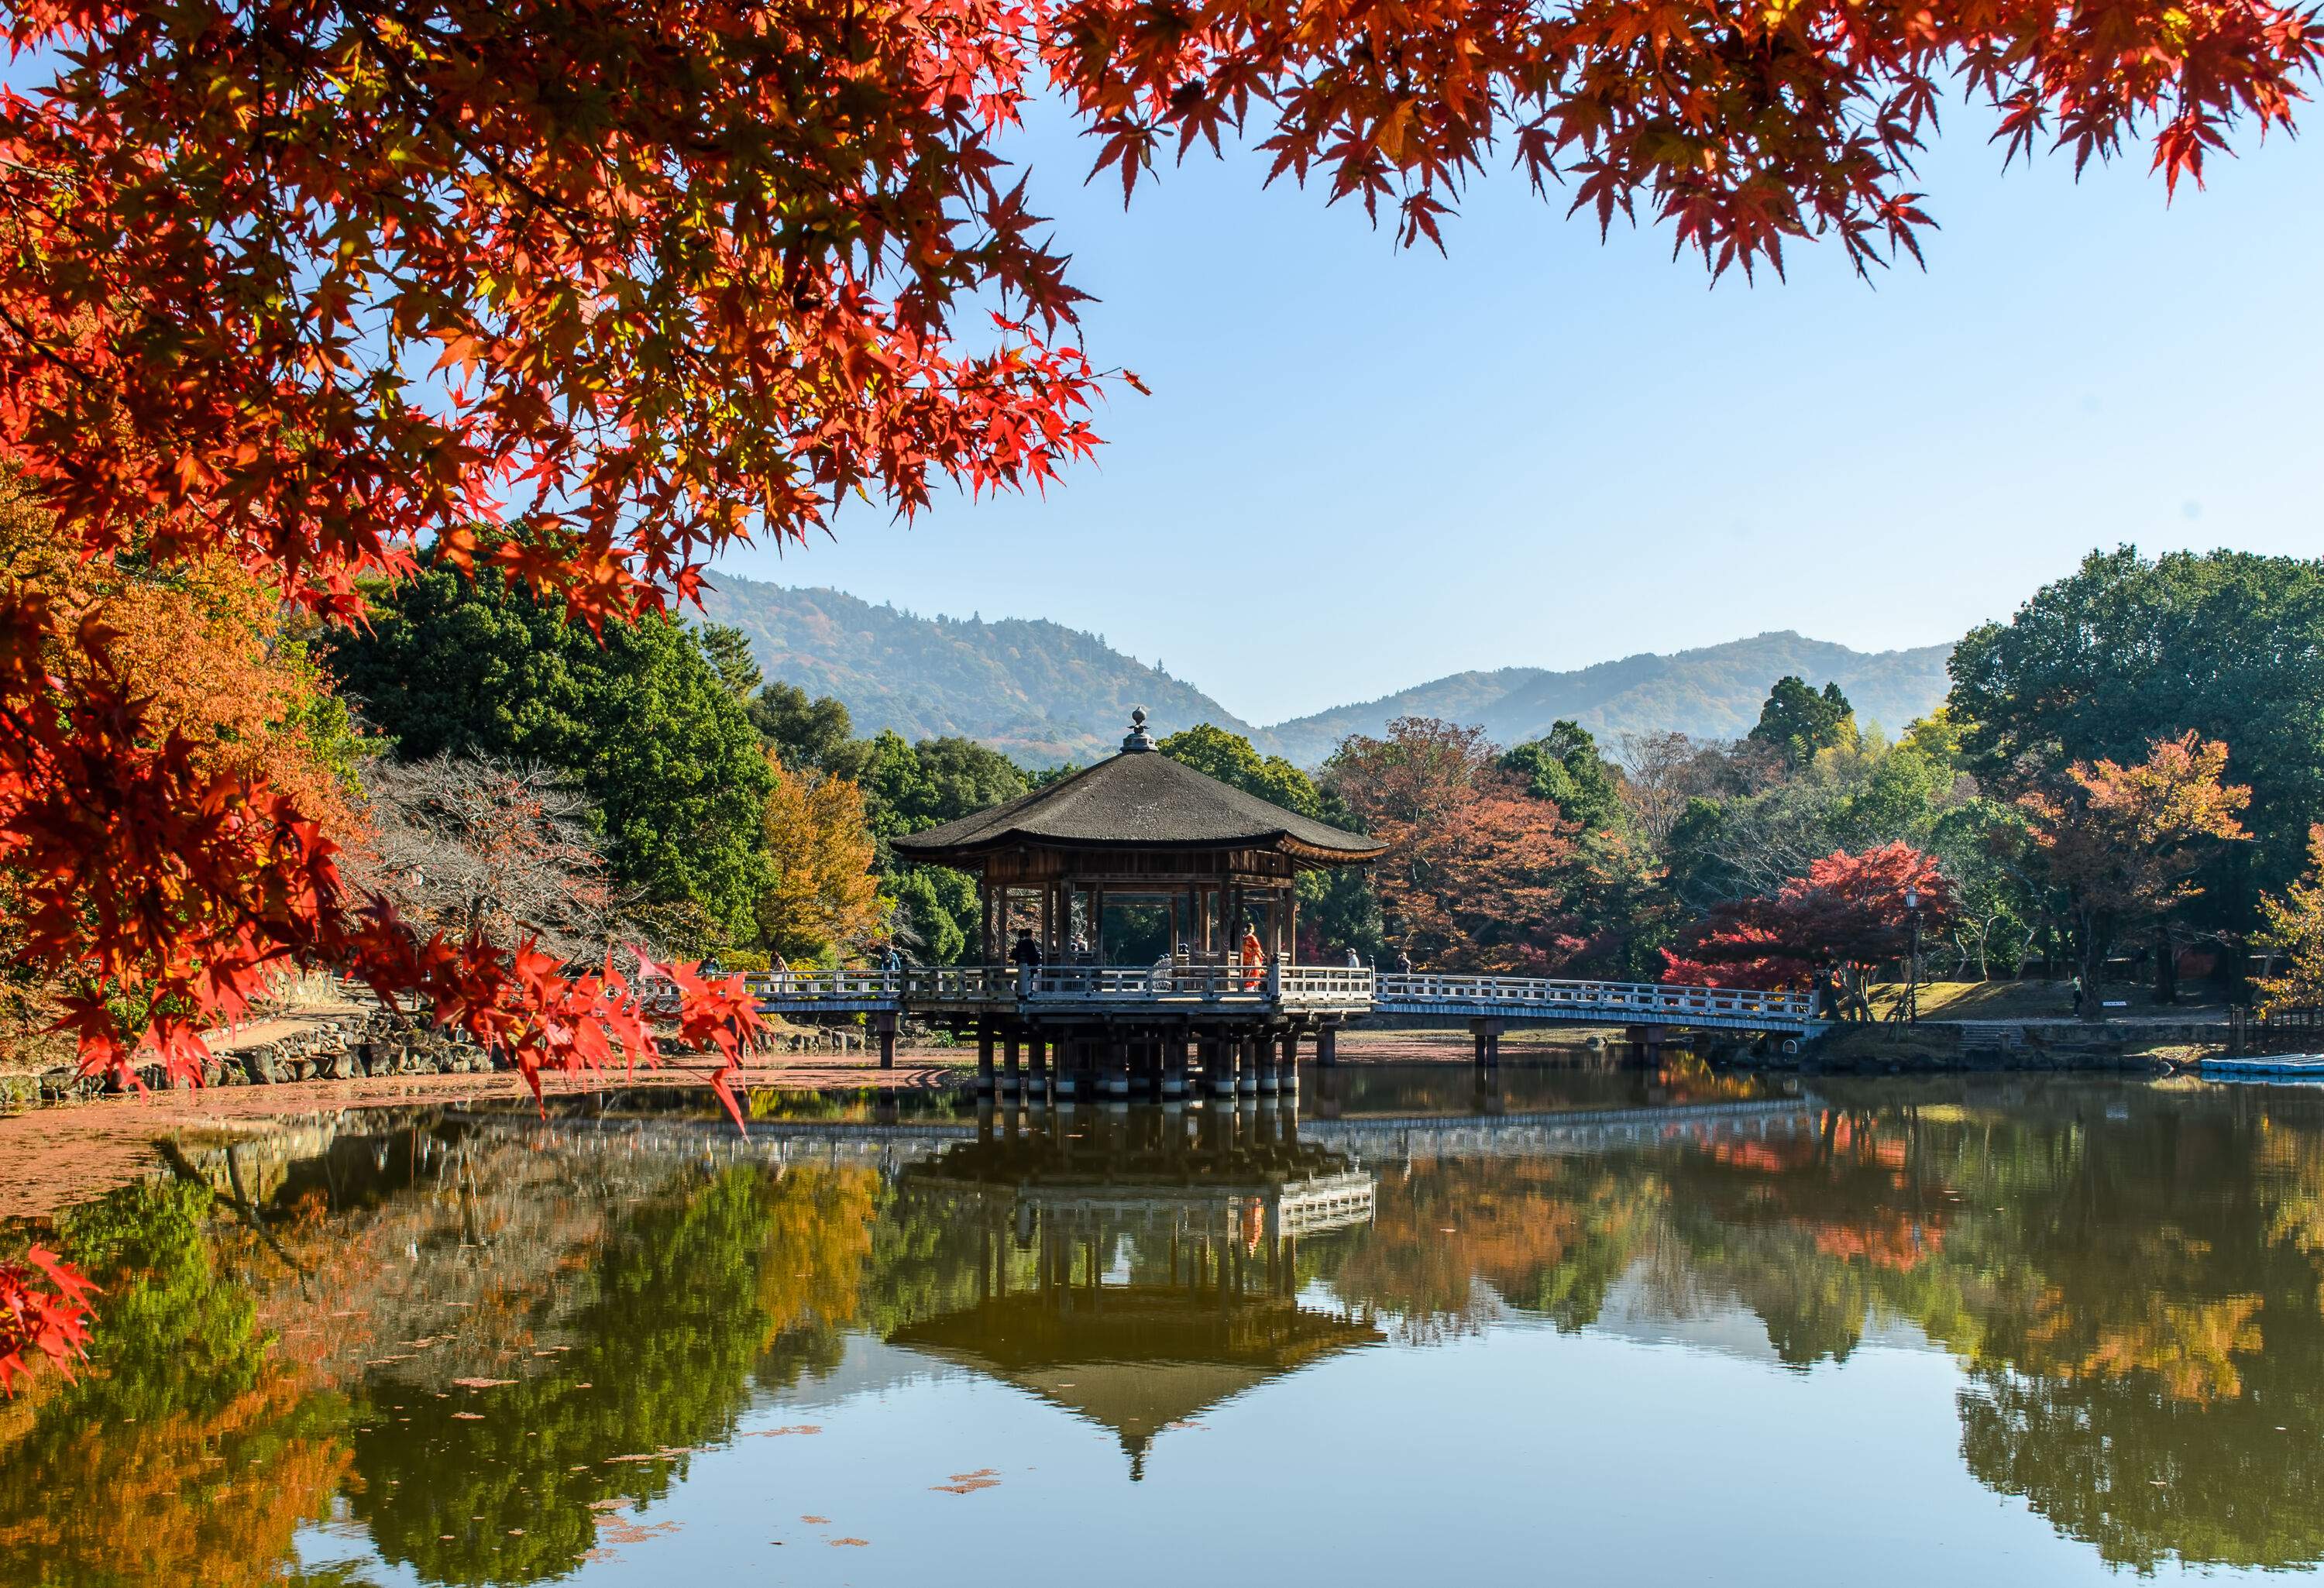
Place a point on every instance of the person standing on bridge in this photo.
(1355, 960)
(1253, 957)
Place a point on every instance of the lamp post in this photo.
(1913, 978)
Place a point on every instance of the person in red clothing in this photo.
(1253, 957)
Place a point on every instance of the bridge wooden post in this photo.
(1173, 1067)
(1327, 1047)
(1245, 1066)
(984, 1058)
(1068, 1064)
(1287, 1079)
(885, 1024)
(1013, 1079)
(1117, 1068)
(1041, 1062)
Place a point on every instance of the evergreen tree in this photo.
(638, 712)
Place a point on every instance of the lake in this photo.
(1580, 1326)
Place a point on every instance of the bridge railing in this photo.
(981, 985)
(1519, 993)
(1296, 986)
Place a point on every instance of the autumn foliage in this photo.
(2293, 926)
(2122, 844)
(44, 1308)
(1478, 870)
(1847, 913)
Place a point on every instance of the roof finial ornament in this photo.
(1137, 739)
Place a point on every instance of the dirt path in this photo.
(51, 1157)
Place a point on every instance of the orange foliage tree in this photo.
(2121, 845)
(824, 899)
(1478, 872)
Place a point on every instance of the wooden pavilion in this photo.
(1137, 879)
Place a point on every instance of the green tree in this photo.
(807, 733)
(2127, 651)
(912, 788)
(1797, 722)
(1232, 759)
(1564, 766)
(639, 712)
(729, 650)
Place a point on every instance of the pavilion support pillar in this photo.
(1174, 1068)
(1246, 1067)
(1041, 1062)
(1117, 1068)
(1287, 1079)
(1013, 1079)
(1069, 1079)
(1327, 1047)
(885, 1025)
(984, 1087)
(1219, 1065)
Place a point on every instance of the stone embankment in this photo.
(2138, 1046)
(347, 1043)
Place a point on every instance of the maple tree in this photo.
(1478, 870)
(2120, 844)
(1848, 914)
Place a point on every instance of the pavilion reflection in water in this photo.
(1139, 1269)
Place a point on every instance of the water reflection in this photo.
(478, 1349)
(1139, 1269)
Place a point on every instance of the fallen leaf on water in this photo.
(817, 1521)
(848, 1543)
(969, 1483)
(469, 1416)
(794, 1429)
(483, 1383)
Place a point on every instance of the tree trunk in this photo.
(2093, 960)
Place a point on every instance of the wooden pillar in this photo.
(1116, 1088)
(1246, 1067)
(1291, 924)
(1040, 1061)
(1287, 1076)
(1219, 1065)
(1327, 1047)
(886, 1025)
(1067, 1081)
(983, 1058)
(1173, 1067)
(1013, 1079)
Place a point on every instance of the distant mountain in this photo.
(1044, 693)
(1035, 690)
(1711, 692)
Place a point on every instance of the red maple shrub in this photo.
(1849, 914)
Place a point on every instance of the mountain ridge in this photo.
(1043, 693)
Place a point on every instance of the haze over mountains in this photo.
(1045, 693)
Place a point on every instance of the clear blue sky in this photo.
(1362, 468)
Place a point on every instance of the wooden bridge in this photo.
(1311, 992)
